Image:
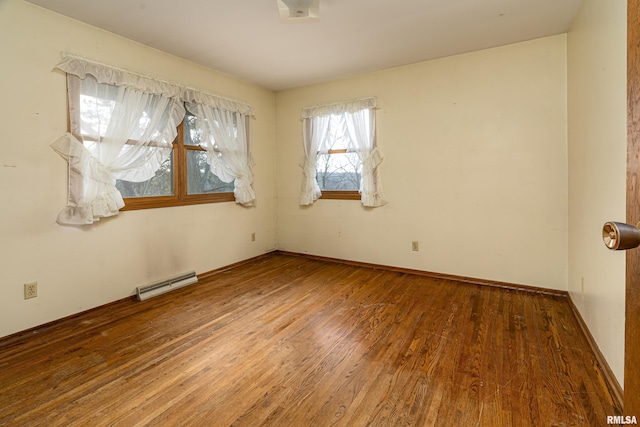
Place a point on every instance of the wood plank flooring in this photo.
(290, 341)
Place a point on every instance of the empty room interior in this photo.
(458, 278)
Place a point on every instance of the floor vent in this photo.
(148, 291)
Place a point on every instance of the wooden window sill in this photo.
(340, 195)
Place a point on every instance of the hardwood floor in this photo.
(291, 341)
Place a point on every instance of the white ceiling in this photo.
(246, 39)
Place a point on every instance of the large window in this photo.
(341, 154)
(136, 142)
(184, 175)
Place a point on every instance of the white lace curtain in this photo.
(359, 117)
(224, 136)
(315, 131)
(128, 136)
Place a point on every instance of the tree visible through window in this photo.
(185, 177)
(188, 180)
(341, 157)
(160, 185)
(134, 142)
(200, 178)
(338, 166)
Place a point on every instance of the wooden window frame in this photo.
(340, 194)
(181, 197)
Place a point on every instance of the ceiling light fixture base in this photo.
(299, 11)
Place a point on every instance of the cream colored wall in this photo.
(597, 166)
(475, 168)
(476, 171)
(80, 268)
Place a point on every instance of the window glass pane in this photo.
(200, 180)
(160, 185)
(95, 114)
(338, 137)
(192, 136)
(100, 102)
(338, 172)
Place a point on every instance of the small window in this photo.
(341, 157)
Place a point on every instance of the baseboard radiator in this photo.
(164, 286)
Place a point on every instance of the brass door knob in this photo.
(619, 236)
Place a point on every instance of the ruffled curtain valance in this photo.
(339, 108)
(117, 77)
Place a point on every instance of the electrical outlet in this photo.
(30, 290)
(253, 237)
(414, 246)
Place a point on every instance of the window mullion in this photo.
(180, 174)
